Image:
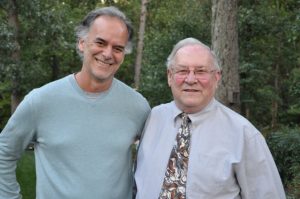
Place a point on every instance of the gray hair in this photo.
(82, 29)
(187, 42)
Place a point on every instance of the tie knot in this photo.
(185, 118)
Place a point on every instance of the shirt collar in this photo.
(175, 112)
(195, 118)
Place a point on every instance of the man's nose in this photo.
(191, 78)
(107, 52)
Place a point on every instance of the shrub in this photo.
(285, 147)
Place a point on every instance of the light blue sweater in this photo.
(83, 143)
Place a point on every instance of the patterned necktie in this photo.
(175, 177)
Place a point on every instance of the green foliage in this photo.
(168, 22)
(26, 175)
(269, 52)
(49, 27)
(293, 84)
(285, 147)
(4, 104)
(132, 9)
(47, 43)
(269, 43)
(268, 38)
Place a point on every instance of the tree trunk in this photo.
(15, 55)
(225, 45)
(275, 104)
(140, 45)
(275, 101)
(54, 67)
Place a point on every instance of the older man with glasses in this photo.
(194, 147)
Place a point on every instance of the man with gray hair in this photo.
(82, 125)
(196, 148)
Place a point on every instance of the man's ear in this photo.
(169, 75)
(81, 44)
(218, 75)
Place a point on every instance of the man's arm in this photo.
(257, 174)
(14, 138)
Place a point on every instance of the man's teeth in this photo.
(103, 63)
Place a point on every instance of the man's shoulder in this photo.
(128, 93)
(50, 89)
(59, 83)
(227, 112)
(54, 83)
(129, 99)
(162, 109)
(124, 88)
(236, 119)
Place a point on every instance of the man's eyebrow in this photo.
(181, 66)
(103, 40)
(196, 66)
(100, 39)
(120, 46)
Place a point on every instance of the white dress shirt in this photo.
(229, 158)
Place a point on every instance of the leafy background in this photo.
(269, 47)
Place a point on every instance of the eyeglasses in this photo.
(200, 74)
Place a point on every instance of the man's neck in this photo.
(91, 85)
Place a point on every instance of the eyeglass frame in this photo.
(186, 72)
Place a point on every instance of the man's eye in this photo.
(119, 50)
(100, 43)
(183, 72)
(200, 71)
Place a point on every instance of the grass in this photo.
(26, 175)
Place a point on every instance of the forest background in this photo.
(37, 45)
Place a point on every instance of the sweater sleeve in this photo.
(14, 138)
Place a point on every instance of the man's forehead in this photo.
(193, 51)
(193, 48)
